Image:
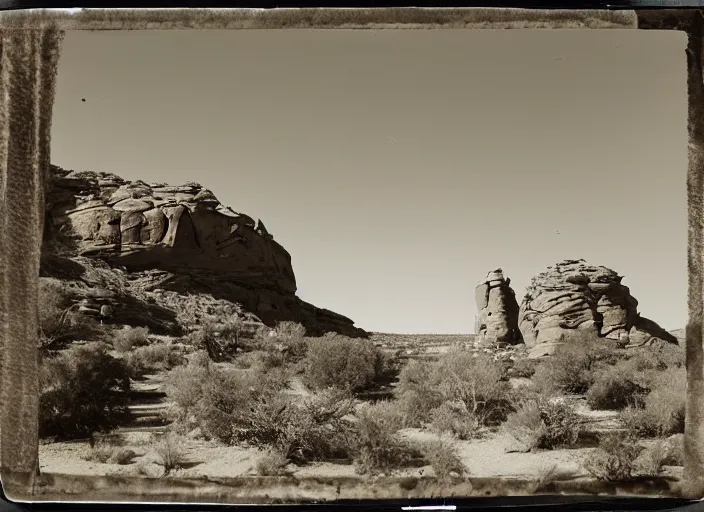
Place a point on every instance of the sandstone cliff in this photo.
(497, 318)
(180, 238)
(574, 297)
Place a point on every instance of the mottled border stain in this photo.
(23, 485)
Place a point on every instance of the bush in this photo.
(444, 460)
(663, 410)
(184, 385)
(315, 429)
(230, 400)
(127, 338)
(523, 368)
(454, 418)
(572, 368)
(380, 448)
(417, 393)
(614, 460)
(544, 424)
(344, 363)
(59, 322)
(153, 357)
(170, 451)
(83, 390)
(658, 356)
(652, 459)
(457, 377)
(616, 387)
(478, 382)
(287, 341)
(109, 454)
(273, 463)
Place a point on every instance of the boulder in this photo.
(575, 300)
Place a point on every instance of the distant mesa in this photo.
(568, 299)
(184, 231)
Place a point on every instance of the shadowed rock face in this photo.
(573, 296)
(497, 319)
(185, 232)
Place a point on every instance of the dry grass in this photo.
(136, 19)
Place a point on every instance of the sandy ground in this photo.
(487, 457)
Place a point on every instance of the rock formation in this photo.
(191, 240)
(576, 298)
(497, 318)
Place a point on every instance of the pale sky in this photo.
(399, 167)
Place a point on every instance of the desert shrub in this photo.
(572, 368)
(289, 330)
(287, 341)
(379, 446)
(127, 338)
(59, 322)
(457, 377)
(184, 385)
(345, 363)
(658, 356)
(153, 357)
(314, 429)
(616, 387)
(454, 418)
(170, 452)
(273, 463)
(442, 457)
(523, 368)
(478, 382)
(544, 424)
(652, 459)
(106, 453)
(417, 393)
(262, 360)
(663, 409)
(615, 458)
(205, 338)
(83, 390)
(231, 399)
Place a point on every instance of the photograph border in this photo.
(30, 42)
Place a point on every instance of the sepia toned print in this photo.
(257, 298)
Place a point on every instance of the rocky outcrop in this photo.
(184, 232)
(576, 299)
(497, 310)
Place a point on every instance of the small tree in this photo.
(84, 390)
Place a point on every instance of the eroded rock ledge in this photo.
(575, 296)
(183, 239)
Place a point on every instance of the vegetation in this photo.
(614, 460)
(303, 399)
(544, 424)
(127, 338)
(83, 390)
(345, 363)
(59, 320)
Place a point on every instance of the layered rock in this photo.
(185, 232)
(497, 310)
(576, 299)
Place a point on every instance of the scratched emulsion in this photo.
(692, 22)
(27, 71)
(28, 65)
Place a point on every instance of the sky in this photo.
(399, 167)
